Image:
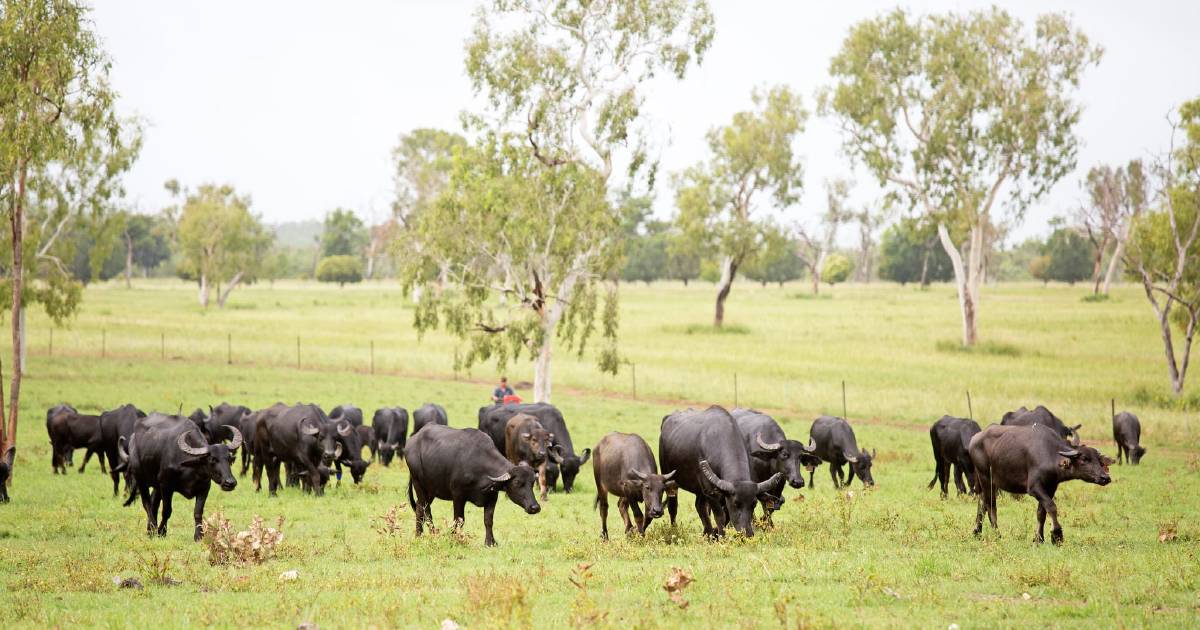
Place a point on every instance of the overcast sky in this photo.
(299, 103)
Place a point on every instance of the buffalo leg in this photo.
(272, 477)
(638, 517)
(542, 481)
(992, 507)
(623, 508)
(850, 475)
(602, 504)
(958, 480)
(489, 511)
(198, 515)
(1120, 450)
(1046, 506)
(835, 473)
(459, 513)
(166, 512)
(672, 508)
(245, 461)
(150, 507)
(702, 511)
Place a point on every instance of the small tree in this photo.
(909, 252)
(816, 244)
(1039, 268)
(340, 269)
(222, 241)
(754, 155)
(835, 269)
(778, 261)
(344, 234)
(1116, 197)
(1164, 248)
(1069, 256)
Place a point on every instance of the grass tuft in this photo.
(1094, 297)
(708, 329)
(1146, 397)
(995, 348)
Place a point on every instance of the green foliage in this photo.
(645, 256)
(837, 269)
(778, 261)
(909, 248)
(1039, 268)
(220, 239)
(344, 234)
(993, 348)
(1070, 256)
(340, 269)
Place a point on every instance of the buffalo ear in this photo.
(631, 486)
(672, 488)
(9, 456)
(587, 452)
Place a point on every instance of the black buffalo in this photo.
(391, 432)
(772, 452)
(224, 415)
(350, 451)
(705, 450)
(835, 443)
(6, 466)
(116, 424)
(494, 418)
(1023, 417)
(427, 414)
(624, 467)
(950, 437)
(1127, 433)
(1031, 460)
(366, 435)
(301, 437)
(168, 455)
(461, 465)
(68, 430)
(349, 413)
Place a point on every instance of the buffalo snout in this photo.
(533, 509)
(228, 484)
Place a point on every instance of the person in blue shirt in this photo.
(503, 390)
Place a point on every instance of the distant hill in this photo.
(297, 234)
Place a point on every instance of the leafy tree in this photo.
(1117, 196)
(869, 220)
(778, 261)
(562, 80)
(752, 156)
(222, 241)
(646, 254)
(63, 149)
(909, 252)
(344, 234)
(1070, 256)
(422, 160)
(836, 269)
(1039, 268)
(1164, 247)
(961, 115)
(683, 258)
(340, 269)
(144, 243)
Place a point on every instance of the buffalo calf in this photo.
(951, 438)
(1127, 433)
(835, 443)
(624, 467)
(526, 440)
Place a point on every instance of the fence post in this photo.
(970, 409)
(229, 349)
(372, 356)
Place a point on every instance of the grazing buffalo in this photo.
(116, 424)
(1031, 460)
(624, 467)
(349, 413)
(427, 414)
(223, 415)
(771, 452)
(6, 466)
(951, 437)
(391, 431)
(303, 438)
(526, 440)
(494, 418)
(168, 454)
(1025, 418)
(461, 465)
(366, 435)
(835, 443)
(705, 450)
(1127, 433)
(349, 451)
(69, 430)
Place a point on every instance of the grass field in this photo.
(894, 556)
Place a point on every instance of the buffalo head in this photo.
(651, 487)
(517, 483)
(215, 459)
(741, 496)
(1086, 463)
(785, 457)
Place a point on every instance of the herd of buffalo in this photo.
(732, 462)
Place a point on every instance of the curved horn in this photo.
(721, 484)
(237, 437)
(556, 453)
(637, 473)
(181, 442)
(769, 484)
(337, 450)
(669, 476)
(309, 429)
(121, 452)
(853, 459)
(774, 446)
(344, 429)
(502, 478)
(1071, 454)
(811, 447)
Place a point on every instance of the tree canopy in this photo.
(344, 234)
(222, 242)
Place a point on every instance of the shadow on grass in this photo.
(993, 348)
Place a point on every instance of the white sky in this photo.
(300, 103)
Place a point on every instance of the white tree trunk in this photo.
(224, 295)
(1118, 251)
(816, 272)
(204, 290)
(541, 370)
(728, 270)
(967, 275)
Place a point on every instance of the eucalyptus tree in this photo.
(563, 83)
(1164, 247)
(963, 116)
(1116, 196)
(222, 242)
(815, 244)
(63, 149)
(753, 156)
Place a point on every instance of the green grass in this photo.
(894, 556)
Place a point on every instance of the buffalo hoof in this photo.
(1056, 537)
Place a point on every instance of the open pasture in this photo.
(896, 555)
